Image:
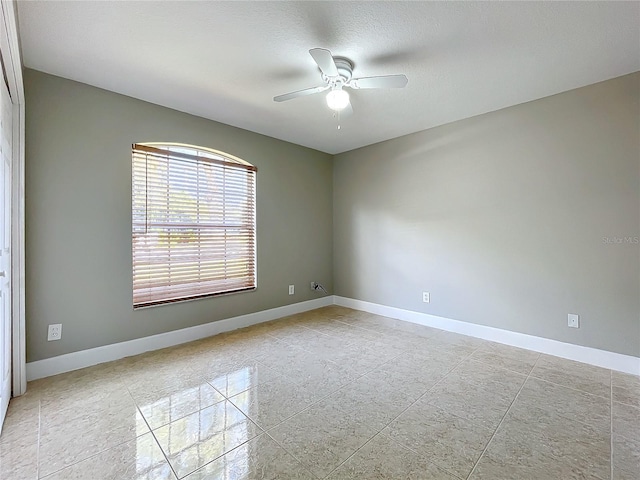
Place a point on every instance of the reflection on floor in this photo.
(332, 393)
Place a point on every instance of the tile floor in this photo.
(332, 393)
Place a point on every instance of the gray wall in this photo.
(78, 216)
(504, 218)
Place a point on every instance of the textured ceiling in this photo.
(227, 60)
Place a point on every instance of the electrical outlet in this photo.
(291, 289)
(313, 285)
(55, 332)
(426, 298)
(573, 320)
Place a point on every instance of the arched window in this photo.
(194, 231)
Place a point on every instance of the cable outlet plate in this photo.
(55, 332)
(573, 320)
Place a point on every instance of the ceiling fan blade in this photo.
(300, 93)
(384, 81)
(325, 62)
(347, 111)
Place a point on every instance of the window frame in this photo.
(198, 156)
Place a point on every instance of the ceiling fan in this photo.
(337, 73)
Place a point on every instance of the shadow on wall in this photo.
(502, 218)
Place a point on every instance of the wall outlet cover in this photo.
(291, 289)
(573, 320)
(55, 332)
(426, 298)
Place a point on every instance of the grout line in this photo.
(351, 382)
(637, 407)
(152, 433)
(501, 421)
(302, 464)
(75, 461)
(497, 367)
(476, 359)
(384, 338)
(39, 436)
(568, 388)
(403, 411)
(611, 418)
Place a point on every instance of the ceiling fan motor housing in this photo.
(345, 72)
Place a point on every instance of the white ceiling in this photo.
(227, 60)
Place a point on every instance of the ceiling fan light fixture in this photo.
(337, 99)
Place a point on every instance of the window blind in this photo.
(193, 224)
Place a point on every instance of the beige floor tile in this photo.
(19, 445)
(384, 459)
(85, 393)
(323, 326)
(360, 318)
(477, 391)
(517, 359)
(451, 442)
(271, 403)
(392, 350)
(408, 342)
(453, 339)
(307, 337)
(105, 375)
(580, 376)
(232, 346)
(535, 445)
(95, 398)
(324, 349)
(258, 459)
(566, 403)
(523, 464)
(625, 458)
(23, 408)
(414, 374)
(22, 418)
(626, 421)
(319, 376)
(278, 352)
(322, 437)
(162, 378)
(281, 328)
(165, 406)
(324, 383)
(328, 313)
(372, 400)
(337, 310)
(67, 440)
(391, 328)
(234, 377)
(350, 333)
(552, 441)
(365, 357)
(199, 438)
(139, 459)
(19, 453)
(625, 388)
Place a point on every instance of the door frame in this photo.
(11, 57)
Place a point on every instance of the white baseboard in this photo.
(592, 356)
(93, 356)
